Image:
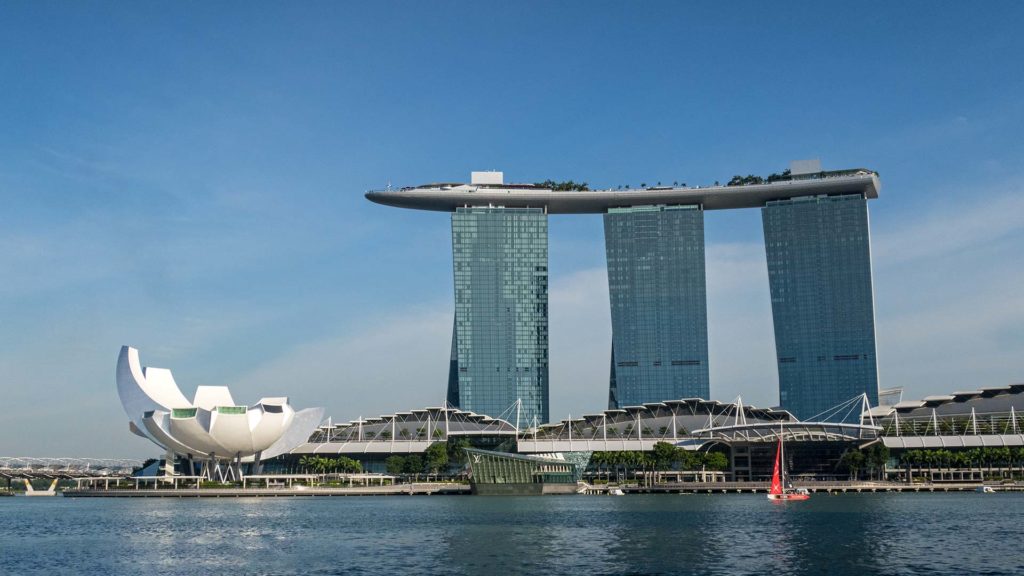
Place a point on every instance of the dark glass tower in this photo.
(658, 292)
(819, 270)
(500, 341)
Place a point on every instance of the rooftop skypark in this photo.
(741, 192)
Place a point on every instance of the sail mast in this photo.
(776, 485)
(778, 490)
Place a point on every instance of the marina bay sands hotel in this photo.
(818, 251)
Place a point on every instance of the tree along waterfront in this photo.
(446, 458)
(323, 465)
(874, 462)
(997, 461)
(628, 464)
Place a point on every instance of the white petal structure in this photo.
(211, 426)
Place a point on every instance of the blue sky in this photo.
(188, 178)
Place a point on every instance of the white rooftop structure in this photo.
(800, 167)
(406, 432)
(489, 177)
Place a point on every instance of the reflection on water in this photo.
(657, 534)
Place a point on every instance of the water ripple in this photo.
(854, 534)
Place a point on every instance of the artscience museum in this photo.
(213, 435)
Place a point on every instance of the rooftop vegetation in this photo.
(786, 175)
(738, 180)
(566, 186)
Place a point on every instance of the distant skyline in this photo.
(188, 179)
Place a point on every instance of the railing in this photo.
(30, 465)
(824, 175)
(961, 425)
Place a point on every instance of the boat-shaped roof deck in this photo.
(446, 197)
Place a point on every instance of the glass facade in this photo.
(658, 293)
(500, 343)
(819, 271)
(499, 468)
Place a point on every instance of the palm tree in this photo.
(599, 460)
(1018, 455)
(852, 460)
(927, 458)
(618, 460)
(907, 463)
(876, 458)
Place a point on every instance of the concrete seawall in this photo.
(445, 488)
(417, 489)
(823, 487)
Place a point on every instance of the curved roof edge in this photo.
(446, 198)
(956, 398)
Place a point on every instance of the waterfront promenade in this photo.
(411, 489)
(830, 487)
(458, 489)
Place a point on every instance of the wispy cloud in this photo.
(740, 334)
(376, 366)
(80, 165)
(948, 302)
(935, 132)
(400, 362)
(580, 342)
(953, 227)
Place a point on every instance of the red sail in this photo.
(776, 481)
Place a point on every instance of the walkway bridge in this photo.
(65, 468)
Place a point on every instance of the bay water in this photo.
(923, 533)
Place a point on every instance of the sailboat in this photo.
(778, 489)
